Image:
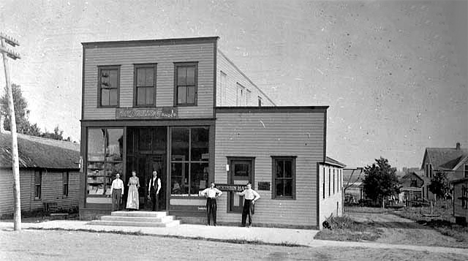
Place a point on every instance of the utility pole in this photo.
(14, 139)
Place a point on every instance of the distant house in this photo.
(453, 162)
(412, 185)
(352, 184)
(460, 200)
(49, 173)
(330, 189)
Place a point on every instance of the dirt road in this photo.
(76, 245)
(398, 230)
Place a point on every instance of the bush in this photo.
(345, 229)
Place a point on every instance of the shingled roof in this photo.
(36, 152)
(444, 158)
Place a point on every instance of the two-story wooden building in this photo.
(181, 107)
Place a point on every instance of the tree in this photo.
(439, 185)
(380, 181)
(21, 110)
(22, 117)
(56, 135)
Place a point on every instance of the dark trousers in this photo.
(154, 201)
(116, 198)
(211, 208)
(247, 211)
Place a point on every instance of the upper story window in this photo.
(109, 85)
(284, 177)
(466, 170)
(145, 85)
(259, 101)
(186, 81)
(240, 97)
(222, 87)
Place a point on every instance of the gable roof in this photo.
(37, 152)
(444, 158)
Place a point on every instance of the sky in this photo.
(394, 73)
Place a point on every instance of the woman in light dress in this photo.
(133, 198)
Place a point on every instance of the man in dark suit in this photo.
(154, 185)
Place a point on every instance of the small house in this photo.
(49, 173)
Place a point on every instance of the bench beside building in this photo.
(181, 107)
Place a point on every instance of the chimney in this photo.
(458, 146)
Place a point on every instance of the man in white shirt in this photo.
(250, 196)
(211, 194)
(117, 190)
(154, 186)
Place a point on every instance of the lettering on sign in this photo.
(263, 185)
(147, 113)
(230, 187)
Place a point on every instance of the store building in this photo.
(181, 107)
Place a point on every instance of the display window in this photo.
(104, 159)
(189, 160)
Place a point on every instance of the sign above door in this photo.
(147, 113)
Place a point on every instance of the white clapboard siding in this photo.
(165, 56)
(227, 95)
(262, 135)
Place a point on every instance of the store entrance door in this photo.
(240, 173)
(146, 165)
(146, 151)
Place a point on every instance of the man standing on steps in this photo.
(154, 185)
(211, 194)
(117, 190)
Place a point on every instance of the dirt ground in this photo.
(75, 245)
(398, 230)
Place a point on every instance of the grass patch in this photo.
(346, 229)
(442, 222)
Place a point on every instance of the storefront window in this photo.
(105, 151)
(189, 160)
(200, 141)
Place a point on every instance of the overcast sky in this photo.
(394, 73)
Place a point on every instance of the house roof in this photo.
(415, 174)
(334, 162)
(37, 152)
(444, 158)
(353, 176)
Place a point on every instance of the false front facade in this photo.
(182, 108)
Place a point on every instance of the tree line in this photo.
(23, 125)
(380, 182)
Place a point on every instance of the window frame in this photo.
(99, 89)
(65, 184)
(180, 159)
(274, 159)
(176, 89)
(38, 186)
(135, 84)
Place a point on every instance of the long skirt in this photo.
(133, 198)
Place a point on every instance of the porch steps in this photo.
(137, 219)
